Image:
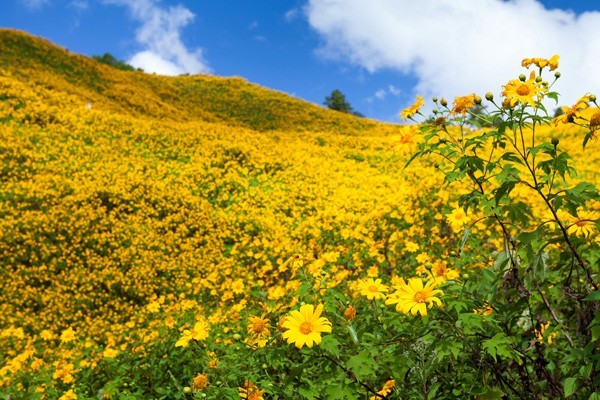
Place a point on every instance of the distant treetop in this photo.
(109, 59)
(337, 101)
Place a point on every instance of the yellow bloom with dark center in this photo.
(305, 326)
(250, 392)
(570, 113)
(595, 122)
(373, 289)
(585, 223)
(412, 110)
(528, 92)
(413, 297)
(258, 326)
(462, 104)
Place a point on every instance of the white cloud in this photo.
(35, 4)
(456, 47)
(164, 51)
(381, 94)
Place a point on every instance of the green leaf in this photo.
(308, 393)
(330, 345)
(362, 364)
(470, 323)
(586, 370)
(571, 386)
(594, 296)
(499, 345)
(595, 396)
(491, 394)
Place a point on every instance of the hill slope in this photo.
(184, 98)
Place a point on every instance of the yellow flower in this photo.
(153, 307)
(570, 113)
(200, 382)
(462, 104)
(350, 313)
(457, 219)
(485, 310)
(595, 122)
(412, 110)
(69, 395)
(305, 326)
(412, 297)
(250, 392)
(372, 288)
(542, 62)
(540, 333)
(387, 389)
(68, 335)
(517, 91)
(258, 326)
(200, 332)
(584, 224)
(110, 353)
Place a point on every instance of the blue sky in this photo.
(380, 53)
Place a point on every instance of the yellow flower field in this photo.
(153, 229)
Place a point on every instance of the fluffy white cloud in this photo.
(456, 47)
(164, 51)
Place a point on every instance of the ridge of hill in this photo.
(232, 100)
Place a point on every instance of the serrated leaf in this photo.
(330, 345)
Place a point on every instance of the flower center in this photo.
(306, 328)
(373, 288)
(595, 122)
(581, 223)
(523, 90)
(420, 297)
(258, 326)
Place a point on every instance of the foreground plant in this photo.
(545, 275)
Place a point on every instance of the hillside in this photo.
(202, 237)
(210, 98)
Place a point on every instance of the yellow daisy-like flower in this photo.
(305, 326)
(250, 392)
(372, 288)
(258, 326)
(527, 92)
(458, 219)
(439, 272)
(69, 395)
(570, 113)
(415, 298)
(584, 224)
(412, 110)
(200, 332)
(462, 104)
(68, 335)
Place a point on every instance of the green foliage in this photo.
(109, 59)
(337, 101)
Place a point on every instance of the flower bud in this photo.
(555, 141)
(538, 79)
(435, 99)
(443, 102)
(187, 389)
(489, 96)
(522, 78)
(557, 74)
(237, 336)
(592, 97)
(477, 100)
